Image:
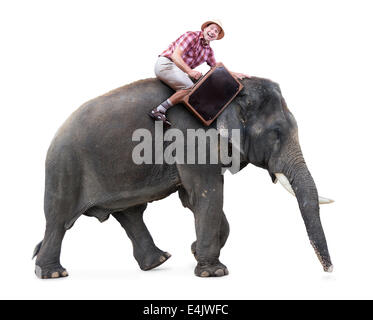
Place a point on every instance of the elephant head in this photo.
(269, 139)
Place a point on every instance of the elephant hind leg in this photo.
(48, 253)
(146, 253)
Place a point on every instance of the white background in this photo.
(56, 55)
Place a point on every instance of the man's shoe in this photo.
(157, 115)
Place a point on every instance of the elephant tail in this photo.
(37, 249)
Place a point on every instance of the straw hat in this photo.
(218, 22)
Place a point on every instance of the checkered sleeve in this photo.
(211, 59)
(186, 40)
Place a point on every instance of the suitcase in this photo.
(212, 93)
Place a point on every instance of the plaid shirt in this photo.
(195, 50)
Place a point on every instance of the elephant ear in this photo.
(232, 118)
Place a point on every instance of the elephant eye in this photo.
(275, 134)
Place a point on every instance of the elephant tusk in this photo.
(323, 200)
(286, 184)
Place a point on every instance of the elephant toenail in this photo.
(64, 274)
(219, 272)
(162, 258)
(55, 275)
(205, 274)
(168, 255)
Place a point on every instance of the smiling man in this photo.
(175, 66)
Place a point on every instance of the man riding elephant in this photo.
(90, 169)
(175, 66)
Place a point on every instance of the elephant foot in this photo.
(153, 260)
(50, 272)
(216, 269)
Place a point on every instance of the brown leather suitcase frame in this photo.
(212, 94)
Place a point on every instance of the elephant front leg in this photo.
(202, 192)
(224, 233)
(208, 215)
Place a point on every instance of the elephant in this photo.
(90, 171)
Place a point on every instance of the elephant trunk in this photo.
(305, 191)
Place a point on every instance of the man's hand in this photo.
(240, 75)
(195, 74)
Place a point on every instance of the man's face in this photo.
(211, 32)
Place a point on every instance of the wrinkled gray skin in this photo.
(89, 170)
